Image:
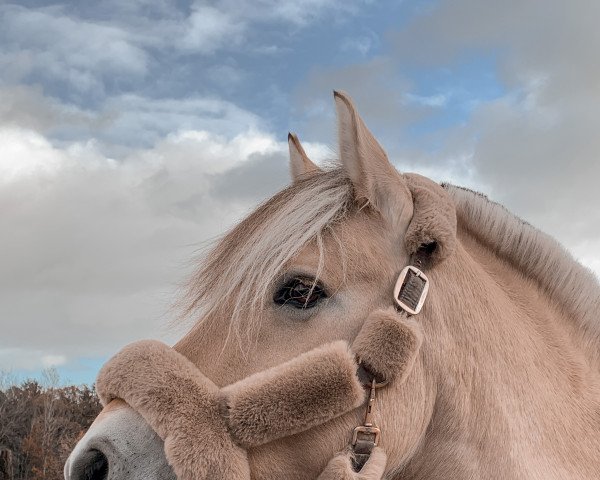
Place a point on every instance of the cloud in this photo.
(439, 100)
(92, 49)
(28, 107)
(50, 43)
(102, 211)
(49, 361)
(94, 248)
(143, 121)
(295, 12)
(360, 43)
(387, 110)
(209, 28)
(125, 120)
(536, 147)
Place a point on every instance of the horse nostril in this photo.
(92, 465)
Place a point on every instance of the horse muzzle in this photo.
(206, 429)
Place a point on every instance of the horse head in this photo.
(309, 267)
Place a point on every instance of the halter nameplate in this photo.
(411, 290)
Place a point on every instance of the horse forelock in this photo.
(571, 286)
(240, 269)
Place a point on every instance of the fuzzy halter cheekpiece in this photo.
(206, 430)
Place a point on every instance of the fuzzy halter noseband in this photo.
(206, 429)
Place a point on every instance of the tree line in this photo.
(40, 423)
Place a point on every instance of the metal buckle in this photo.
(375, 431)
(368, 425)
(400, 284)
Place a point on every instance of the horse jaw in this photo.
(131, 450)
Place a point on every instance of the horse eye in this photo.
(300, 293)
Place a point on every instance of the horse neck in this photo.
(526, 307)
(559, 278)
(512, 368)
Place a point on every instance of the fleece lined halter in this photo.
(206, 430)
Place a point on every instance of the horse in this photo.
(504, 376)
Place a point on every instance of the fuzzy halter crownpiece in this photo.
(205, 429)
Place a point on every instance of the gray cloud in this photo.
(537, 147)
(93, 248)
(144, 121)
(89, 47)
(260, 177)
(296, 12)
(122, 121)
(84, 54)
(378, 89)
(28, 107)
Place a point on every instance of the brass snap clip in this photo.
(368, 427)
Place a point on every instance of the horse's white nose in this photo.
(119, 446)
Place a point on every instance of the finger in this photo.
(340, 467)
(375, 466)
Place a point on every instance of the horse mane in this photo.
(243, 266)
(540, 257)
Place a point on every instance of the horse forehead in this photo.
(358, 249)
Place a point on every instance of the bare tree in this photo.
(40, 424)
(6, 464)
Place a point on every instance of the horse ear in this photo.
(374, 178)
(300, 165)
(432, 230)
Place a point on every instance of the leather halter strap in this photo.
(410, 293)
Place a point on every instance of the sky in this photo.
(133, 134)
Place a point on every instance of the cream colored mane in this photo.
(572, 286)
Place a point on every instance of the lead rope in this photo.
(410, 293)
